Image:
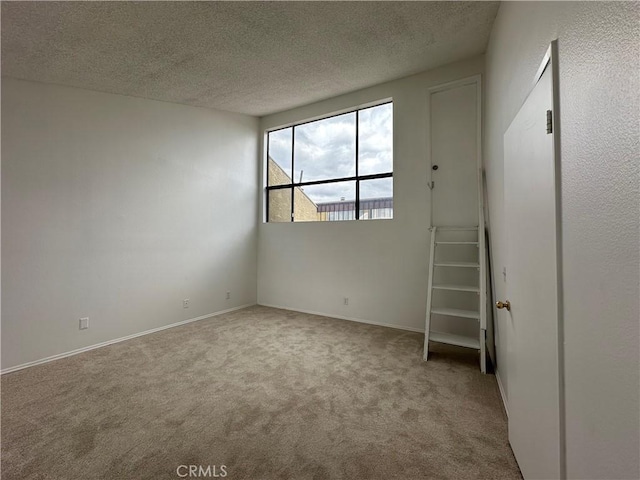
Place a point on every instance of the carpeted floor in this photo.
(269, 394)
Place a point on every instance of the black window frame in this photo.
(357, 177)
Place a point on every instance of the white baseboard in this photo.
(351, 319)
(504, 397)
(118, 340)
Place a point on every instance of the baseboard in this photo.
(340, 317)
(118, 340)
(504, 397)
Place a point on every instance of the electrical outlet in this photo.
(346, 300)
(228, 295)
(84, 323)
(185, 303)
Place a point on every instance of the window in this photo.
(333, 169)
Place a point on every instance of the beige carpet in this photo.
(268, 394)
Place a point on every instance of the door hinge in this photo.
(549, 121)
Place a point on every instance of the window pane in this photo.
(376, 198)
(375, 132)
(279, 205)
(326, 149)
(279, 166)
(326, 202)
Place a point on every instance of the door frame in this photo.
(477, 81)
(552, 54)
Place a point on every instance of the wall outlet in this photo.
(346, 300)
(228, 295)
(84, 323)
(185, 303)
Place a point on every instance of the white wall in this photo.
(599, 96)
(380, 265)
(118, 208)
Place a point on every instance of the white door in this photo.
(532, 286)
(454, 152)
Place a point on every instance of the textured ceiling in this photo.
(249, 57)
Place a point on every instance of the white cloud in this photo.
(325, 149)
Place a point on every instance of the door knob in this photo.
(506, 304)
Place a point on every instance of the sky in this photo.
(325, 149)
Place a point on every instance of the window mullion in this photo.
(267, 206)
(357, 215)
(293, 171)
